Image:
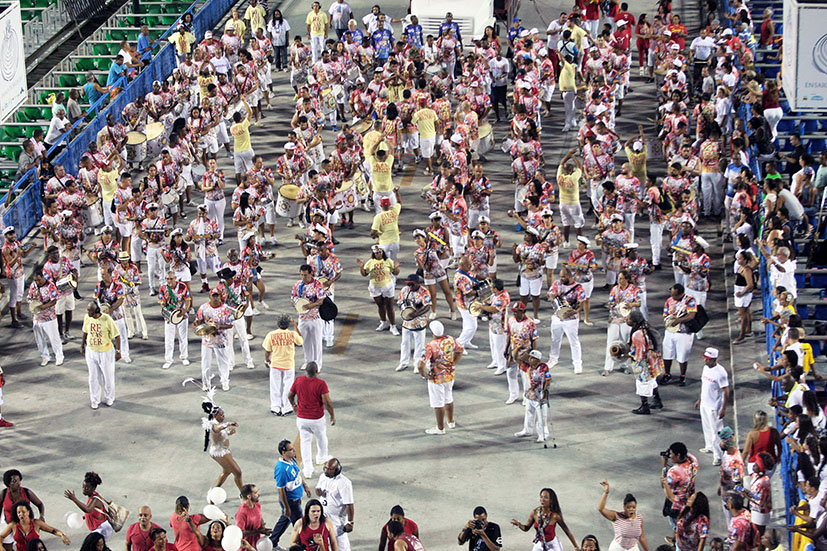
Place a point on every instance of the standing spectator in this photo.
(712, 403)
(693, 523)
(255, 14)
(14, 492)
(403, 541)
(627, 524)
(248, 516)
(145, 45)
(101, 345)
(408, 526)
(290, 484)
(678, 481)
(280, 357)
(73, 110)
(336, 491)
(138, 534)
(310, 396)
(27, 160)
(279, 30)
(340, 15)
(185, 526)
(317, 26)
(761, 439)
(480, 534)
(116, 71)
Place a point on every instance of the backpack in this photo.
(698, 322)
(665, 203)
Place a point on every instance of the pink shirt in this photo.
(185, 539)
(249, 519)
(137, 538)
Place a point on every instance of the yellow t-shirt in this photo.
(281, 344)
(109, 184)
(381, 175)
(569, 194)
(256, 16)
(184, 48)
(379, 271)
(368, 140)
(566, 80)
(425, 121)
(241, 136)
(317, 22)
(387, 224)
(577, 35)
(100, 332)
(239, 26)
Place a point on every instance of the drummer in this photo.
(291, 167)
(235, 292)
(168, 172)
(154, 231)
(105, 251)
(310, 323)
(172, 296)
(219, 318)
(56, 268)
(415, 302)
(203, 234)
(327, 269)
(129, 275)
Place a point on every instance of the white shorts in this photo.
(386, 291)
(646, 389)
(531, 287)
(677, 346)
(588, 287)
(431, 281)
(125, 229)
(426, 146)
(183, 275)
(410, 142)
(270, 214)
(551, 260)
(572, 215)
(243, 161)
(66, 303)
(208, 144)
(761, 519)
(440, 395)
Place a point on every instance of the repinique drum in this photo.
(155, 139)
(287, 206)
(486, 139)
(135, 147)
(345, 198)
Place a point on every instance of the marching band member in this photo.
(440, 356)
(127, 272)
(638, 268)
(647, 363)
(105, 251)
(697, 283)
(13, 255)
(623, 297)
(683, 240)
(629, 189)
(236, 296)
(481, 257)
(612, 241)
(310, 323)
(42, 298)
(124, 210)
(212, 184)
(465, 290)
(567, 320)
(538, 377)
(417, 300)
(177, 254)
(55, 269)
(530, 255)
(203, 233)
(497, 308)
(327, 269)
(522, 337)
(154, 231)
(551, 238)
(110, 296)
(677, 340)
(218, 318)
(175, 295)
(428, 260)
(491, 240)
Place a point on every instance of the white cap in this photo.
(66, 213)
(534, 30)
(176, 231)
(208, 34)
(485, 219)
(711, 353)
(437, 328)
(524, 84)
(536, 354)
(547, 212)
(726, 32)
(152, 205)
(667, 32)
(319, 228)
(678, 62)
(532, 230)
(637, 146)
(478, 233)
(630, 245)
(584, 239)
(524, 33)
(688, 220)
(248, 235)
(229, 27)
(543, 52)
(434, 215)
(289, 146)
(617, 217)
(456, 137)
(360, 79)
(621, 22)
(8, 229)
(674, 47)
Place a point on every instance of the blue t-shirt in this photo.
(454, 27)
(91, 93)
(382, 42)
(415, 37)
(287, 477)
(144, 44)
(115, 71)
(357, 36)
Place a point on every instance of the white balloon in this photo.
(75, 521)
(212, 512)
(217, 496)
(264, 544)
(234, 532)
(230, 543)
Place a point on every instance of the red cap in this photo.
(384, 202)
(519, 305)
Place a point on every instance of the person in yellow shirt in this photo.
(568, 86)
(381, 177)
(108, 177)
(101, 345)
(381, 270)
(385, 226)
(280, 358)
(237, 24)
(317, 27)
(569, 176)
(427, 123)
(255, 14)
(242, 149)
(182, 40)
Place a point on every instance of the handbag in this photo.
(193, 267)
(115, 514)
(698, 322)
(328, 310)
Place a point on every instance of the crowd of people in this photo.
(389, 103)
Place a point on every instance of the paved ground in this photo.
(147, 448)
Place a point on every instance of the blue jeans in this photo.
(280, 55)
(287, 519)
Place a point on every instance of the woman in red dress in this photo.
(25, 528)
(13, 493)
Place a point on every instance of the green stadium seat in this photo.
(33, 113)
(154, 8)
(3, 138)
(30, 130)
(85, 64)
(67, 81)
(101, 49)
(168, 20)
(43, 3)
(22, 117)
(132, 36)
(153, 21)
(15, 132)
(116, 35)
(12, 152)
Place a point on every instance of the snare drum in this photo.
(175, 316)
(362, 126)
(408, 313)
(287, 206)
(169, 197)
(345, 198)
(94, 214)
(135, 147)
(66, 284)
(486, 139)
(328, 100)
(155, 139)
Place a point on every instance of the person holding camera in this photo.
(678, 481)
(480, 534)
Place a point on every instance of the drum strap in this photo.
(172, 297)
(233, 297)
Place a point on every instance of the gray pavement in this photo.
(148, 447)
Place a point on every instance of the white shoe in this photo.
(500, 371)
(578, 370)
(232, 367)
(541, 440)
(250, 337)
(394, 330)
(432, 316)
(382, 326)
(255, 311)
(454, 315)
(435, 430)
(95, 406)
(401, 367)
(552, 363)
(225, 386)
(185, 361)
(127, 359)
(705, 450)
(44, 362)
(452, 425)
(251, 365)
(263, 305)
(58, 363)
(273, 241)
(522, 433)
(471, 345)
(329, 343)
(290, 223)
(109, 403)
(492, 365)
(510, 400)
(566, 245)
(308, 475)
(166, 365)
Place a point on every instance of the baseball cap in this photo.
(437, 328)
(536, 354)
(711, 353)
(519, 305)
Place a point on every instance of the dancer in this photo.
(545, 519)
(217, 439)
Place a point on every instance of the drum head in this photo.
(91, 200)
(154, 130)
(299, 304)
(408, 313)
(346, 185)
(135, 138)
(475, 309)
(362, 126)
(484, 130)
(177, 316)
(289, 191)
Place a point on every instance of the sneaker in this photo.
(256, 312)
(705, 450)
(4, 423)
(395, 331)
(492, 365)
(59, 363)
(95, 406)
(44, 362)
(250, 337)
(401, 367)
(432, 316)
(251, 365)
(225, 386)
(566, 244)
(665, 378)
(435, 430)
(205, 287)
(109, 403)
(144, 337)
(682, 381)
(605, 372)
(588, 323)
(541, 440)
(308, 475)
(286, 413)
(471, 345)
(127, 359)
(329, 343)
(521, 434)
(553, 363)
(578, 370)
(511, 400)
(290, 223)
(382, 326)
(166, 365)
(185, 361)
(716, 462)
(273, 241)
(263, 305)
(454, 315)
(500, 371)
(452, 425)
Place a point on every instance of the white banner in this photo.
(804, 58)
(12, 61)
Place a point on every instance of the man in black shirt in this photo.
(480, 534)
(794, 158)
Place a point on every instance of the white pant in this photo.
(497, 344)
(308, 428)
(570, 328)
(677, 346)
(280, 382)
(316, 46)
(341, 537)
(311, 330)
(16, 286)
(222, 358)
(121, 325)
(135, 321)
(553, 545)
(418, 338)
(712, 192)
(240, 329)
(391, 250)
(170, 332)
(629, 224)
(513, 375)
(711, 425)
(155, 266)
(48, 331)
(215, 210)
(105, 530)
(458, 243)
(101, 365)
(136, 248)
(656, 241)
(617, 332)
(680, 276)
(534, 421)
(568, 101)
(328, 327)
(469, 327)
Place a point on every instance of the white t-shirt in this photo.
(338, 494)
(340, 14)
(794, 206)
(56, 127)
(499, 71)
(786, 278)
(555, 30)
(713, 382)
(703, 47)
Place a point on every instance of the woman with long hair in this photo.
(744, 285)
(763, 438)
(212, 539)
(314, 531)
(693, 524)
(94, 542)
(217, 434)
(178, 255)
(93, 513)
(24, 528)
(545, 519)
(188, 537)
(35, 544)
(589, 543)
(382, 271)
(643, 32)
(13, 493)
(647, 362)
(279, 30)
(627, 524)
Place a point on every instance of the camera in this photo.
(478, 524)
(665, 454)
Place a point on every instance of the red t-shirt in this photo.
(309, 397)
(248, 519)
(409, 528)
(94, 520)
(185, 539)
(139, 539)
